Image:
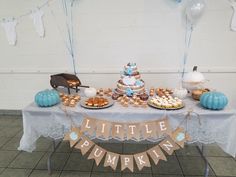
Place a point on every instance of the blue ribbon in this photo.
(188, 38)
(68, 6)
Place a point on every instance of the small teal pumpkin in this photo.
(47, 98)
(213, 100)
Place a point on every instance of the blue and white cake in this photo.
(130, 82)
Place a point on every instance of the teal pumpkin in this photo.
(47, 98)
(213, 100)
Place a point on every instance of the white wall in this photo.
(110, 33)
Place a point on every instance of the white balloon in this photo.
(194, 10)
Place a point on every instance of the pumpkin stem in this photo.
(195, 68)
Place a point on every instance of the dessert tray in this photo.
(166, 103)
(84, 104)
(165, 108)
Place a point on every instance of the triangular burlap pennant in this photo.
(142, 160)
(149, 130)
(111, 160)
(180, 136)
(103, 129)
(89, 126)
(156, 154)
(97, 154)
(163, 127)
(133, 131)
(118, 131)
(168, 145)
(84, 145)
(127, 161)
(73, 136)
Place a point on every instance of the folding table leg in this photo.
(206, 171)
(49, 161)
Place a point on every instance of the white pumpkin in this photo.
(180, 92)
(90, 92)
(193, 80)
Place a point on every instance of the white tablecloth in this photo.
(216, 126)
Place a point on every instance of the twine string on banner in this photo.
(188, 117)
(63, 108)
(190, 113)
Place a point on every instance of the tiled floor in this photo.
(67, 162)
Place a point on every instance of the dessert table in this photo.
(204, 126)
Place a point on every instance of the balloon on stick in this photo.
(194, 10)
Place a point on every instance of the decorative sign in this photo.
(84, 145)
(156, 154)
(118, 131)
(171, 141)
(97, 154)
(103, 129)
(127, 161)
(168, 145)
(179, 136)
(131, 131)
(111, 160)
(73, 136)
(142, 160)
(88, 125)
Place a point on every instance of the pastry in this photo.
(72, 103)
(163, 92)
(144, 96)
(151, 92)
(196, 94)
(165, 102)
(115, 96)
(73, 83)
(70, 100)
(96, 102)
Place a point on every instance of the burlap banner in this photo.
(127, 161)
(84, 145)
(88, 126)
(142, 160)
(156, 154)
(130, 131)
(97, 154)
(171, 141)
(118, 131)
(111, 160)
(73, 136)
